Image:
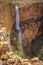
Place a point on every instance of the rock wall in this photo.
(32, 27)
(6, 15)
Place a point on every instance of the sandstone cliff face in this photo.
(36, 10)
(6, 15)
(31, 11)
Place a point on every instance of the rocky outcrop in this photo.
(8, 58)
(4, 47)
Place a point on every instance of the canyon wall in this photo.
(31, 25)
(31, 20)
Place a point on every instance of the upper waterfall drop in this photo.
(18, 25)
(17, 18)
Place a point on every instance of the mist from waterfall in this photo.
(18, 25)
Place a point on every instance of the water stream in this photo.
(18, 25)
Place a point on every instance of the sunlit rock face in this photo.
(31, 11)
(6, 15)
(36, 10)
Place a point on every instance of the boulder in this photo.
(35, 59)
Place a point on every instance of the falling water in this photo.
(17, 18)
(20, 36)
(17, 24)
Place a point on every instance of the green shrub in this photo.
(18, 50)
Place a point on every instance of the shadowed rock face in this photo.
(30, 34)
(32, 28)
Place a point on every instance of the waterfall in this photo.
(18, 25)
(20, 36)
(17, 18)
